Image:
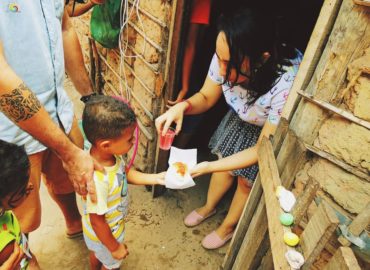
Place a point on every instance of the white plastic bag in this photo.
(180, 163)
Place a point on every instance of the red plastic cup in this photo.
(165, 141)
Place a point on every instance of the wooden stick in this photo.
(343, 259)
(317, 233)
(243, 225)
(338, 162)
(304, 200)
(358, 225)
(252, 240)
(291, 157)
(270, 181)
(347, 115)
(267, 263)
(280, 135)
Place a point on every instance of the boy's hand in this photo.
(13, 261)
(121, 252)
(159, 177)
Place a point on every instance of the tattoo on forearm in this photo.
(19, 105)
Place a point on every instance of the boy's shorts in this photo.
(102, 253)
(48, 166)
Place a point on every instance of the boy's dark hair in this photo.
(105, 117)
(14, 168)
(251, 32)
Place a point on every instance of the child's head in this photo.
(14, 175)
(109, 124)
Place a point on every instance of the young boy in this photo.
(109, 125)
(14, 188)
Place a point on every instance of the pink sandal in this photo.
(194, 219)
(213, 241)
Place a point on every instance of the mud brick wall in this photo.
(145, 74)
(342, 78)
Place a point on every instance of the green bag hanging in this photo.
(105, 23)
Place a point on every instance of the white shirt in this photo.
(267, 107)
(33, 46)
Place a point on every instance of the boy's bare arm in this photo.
(103, 231)
(73, 58)
(118, 250)
(21, 105)
(138, 178)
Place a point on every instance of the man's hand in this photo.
(121, 252)
(13, 261)
(80, 167)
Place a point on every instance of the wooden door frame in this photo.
(175, 47)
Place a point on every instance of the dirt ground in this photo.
(155, 233)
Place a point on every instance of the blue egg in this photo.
(286, 219)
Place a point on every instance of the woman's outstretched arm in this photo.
(200, 102)
(242, 159)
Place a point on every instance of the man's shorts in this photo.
(48, 166)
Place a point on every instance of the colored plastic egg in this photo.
(286, 219)
(291, 239)
(278, 191)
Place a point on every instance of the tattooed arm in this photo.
(21, 106)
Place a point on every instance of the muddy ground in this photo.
(155, 234)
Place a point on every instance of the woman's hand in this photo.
(200, 169)
(159, 178)
(174, 114)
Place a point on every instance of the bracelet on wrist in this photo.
(189, 105)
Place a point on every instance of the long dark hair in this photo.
(249, 33)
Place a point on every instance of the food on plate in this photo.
(181, 168)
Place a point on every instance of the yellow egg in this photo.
(278, 190)
(291, 239)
